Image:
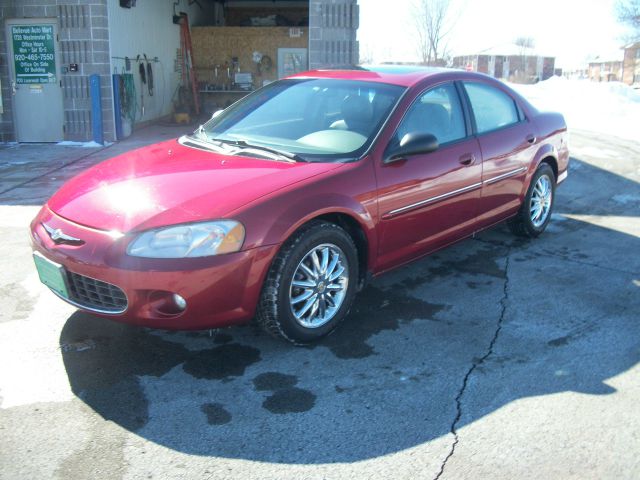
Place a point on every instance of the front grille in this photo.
(96, 295)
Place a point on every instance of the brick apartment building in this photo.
(625, 69)
(605, 71)
(631, 64)
(510, 63)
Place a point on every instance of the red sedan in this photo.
(281, 206)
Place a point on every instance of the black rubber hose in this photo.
(143, 73)
(150, 79)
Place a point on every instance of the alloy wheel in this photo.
(319, 285)
(540, 205)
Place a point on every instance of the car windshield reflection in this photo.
(317, 119)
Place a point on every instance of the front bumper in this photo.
(219, 291)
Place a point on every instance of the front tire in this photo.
(311, 284)
(534, 214)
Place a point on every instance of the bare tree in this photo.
(628, 12)
(526, 44)
(434, 20)
(366, 54)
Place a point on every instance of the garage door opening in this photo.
(250, 45)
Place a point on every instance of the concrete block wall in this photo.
(84, 39)
(333, 25)
(7, 10)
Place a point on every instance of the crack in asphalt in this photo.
(476, 363)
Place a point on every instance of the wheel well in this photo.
(353, 228)
(553, 164)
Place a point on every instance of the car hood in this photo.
(169, 183)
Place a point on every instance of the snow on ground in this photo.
(91, 144)
(612, 108)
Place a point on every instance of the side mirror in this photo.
(217, 113)
(413, 143)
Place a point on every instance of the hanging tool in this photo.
(141, 70)
(149, 75)
(143, 80)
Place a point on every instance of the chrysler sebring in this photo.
(281, 206)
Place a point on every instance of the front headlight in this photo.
(191, 240)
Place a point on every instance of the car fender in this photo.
(552, 130)
(326, 205)
(300, 213)
(545, 150)
(274, 218)
(292, 213)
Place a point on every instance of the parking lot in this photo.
(495, 358)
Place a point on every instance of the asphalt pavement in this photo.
(495, 358)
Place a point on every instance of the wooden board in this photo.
(216, 45)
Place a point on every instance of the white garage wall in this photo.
(148, 28)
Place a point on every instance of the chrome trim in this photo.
(58, 236)
(432, 200)
(95, 310)
(563, 176)
(504, 175)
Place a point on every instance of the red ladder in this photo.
(188, 73)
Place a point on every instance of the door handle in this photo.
(531, 138)
(467, 159)
(14, 88)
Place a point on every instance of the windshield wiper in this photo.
(245, 145)
(200, 134)
(199, 142)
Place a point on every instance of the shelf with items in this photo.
(246, 92)
(224, 78)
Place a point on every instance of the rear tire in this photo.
(311, 284)
(535, 212)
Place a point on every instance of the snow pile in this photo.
(612, 108)
(92, 144)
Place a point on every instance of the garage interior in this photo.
(148, 70)
(249, 45)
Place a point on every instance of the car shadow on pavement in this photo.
(428, 348)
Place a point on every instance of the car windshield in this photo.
(315, 120)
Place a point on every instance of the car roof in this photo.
(410, 75)
(403, 75)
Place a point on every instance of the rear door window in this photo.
(492, 108)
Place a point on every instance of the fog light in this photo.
(180, 302)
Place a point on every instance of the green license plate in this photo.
(51, 274)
